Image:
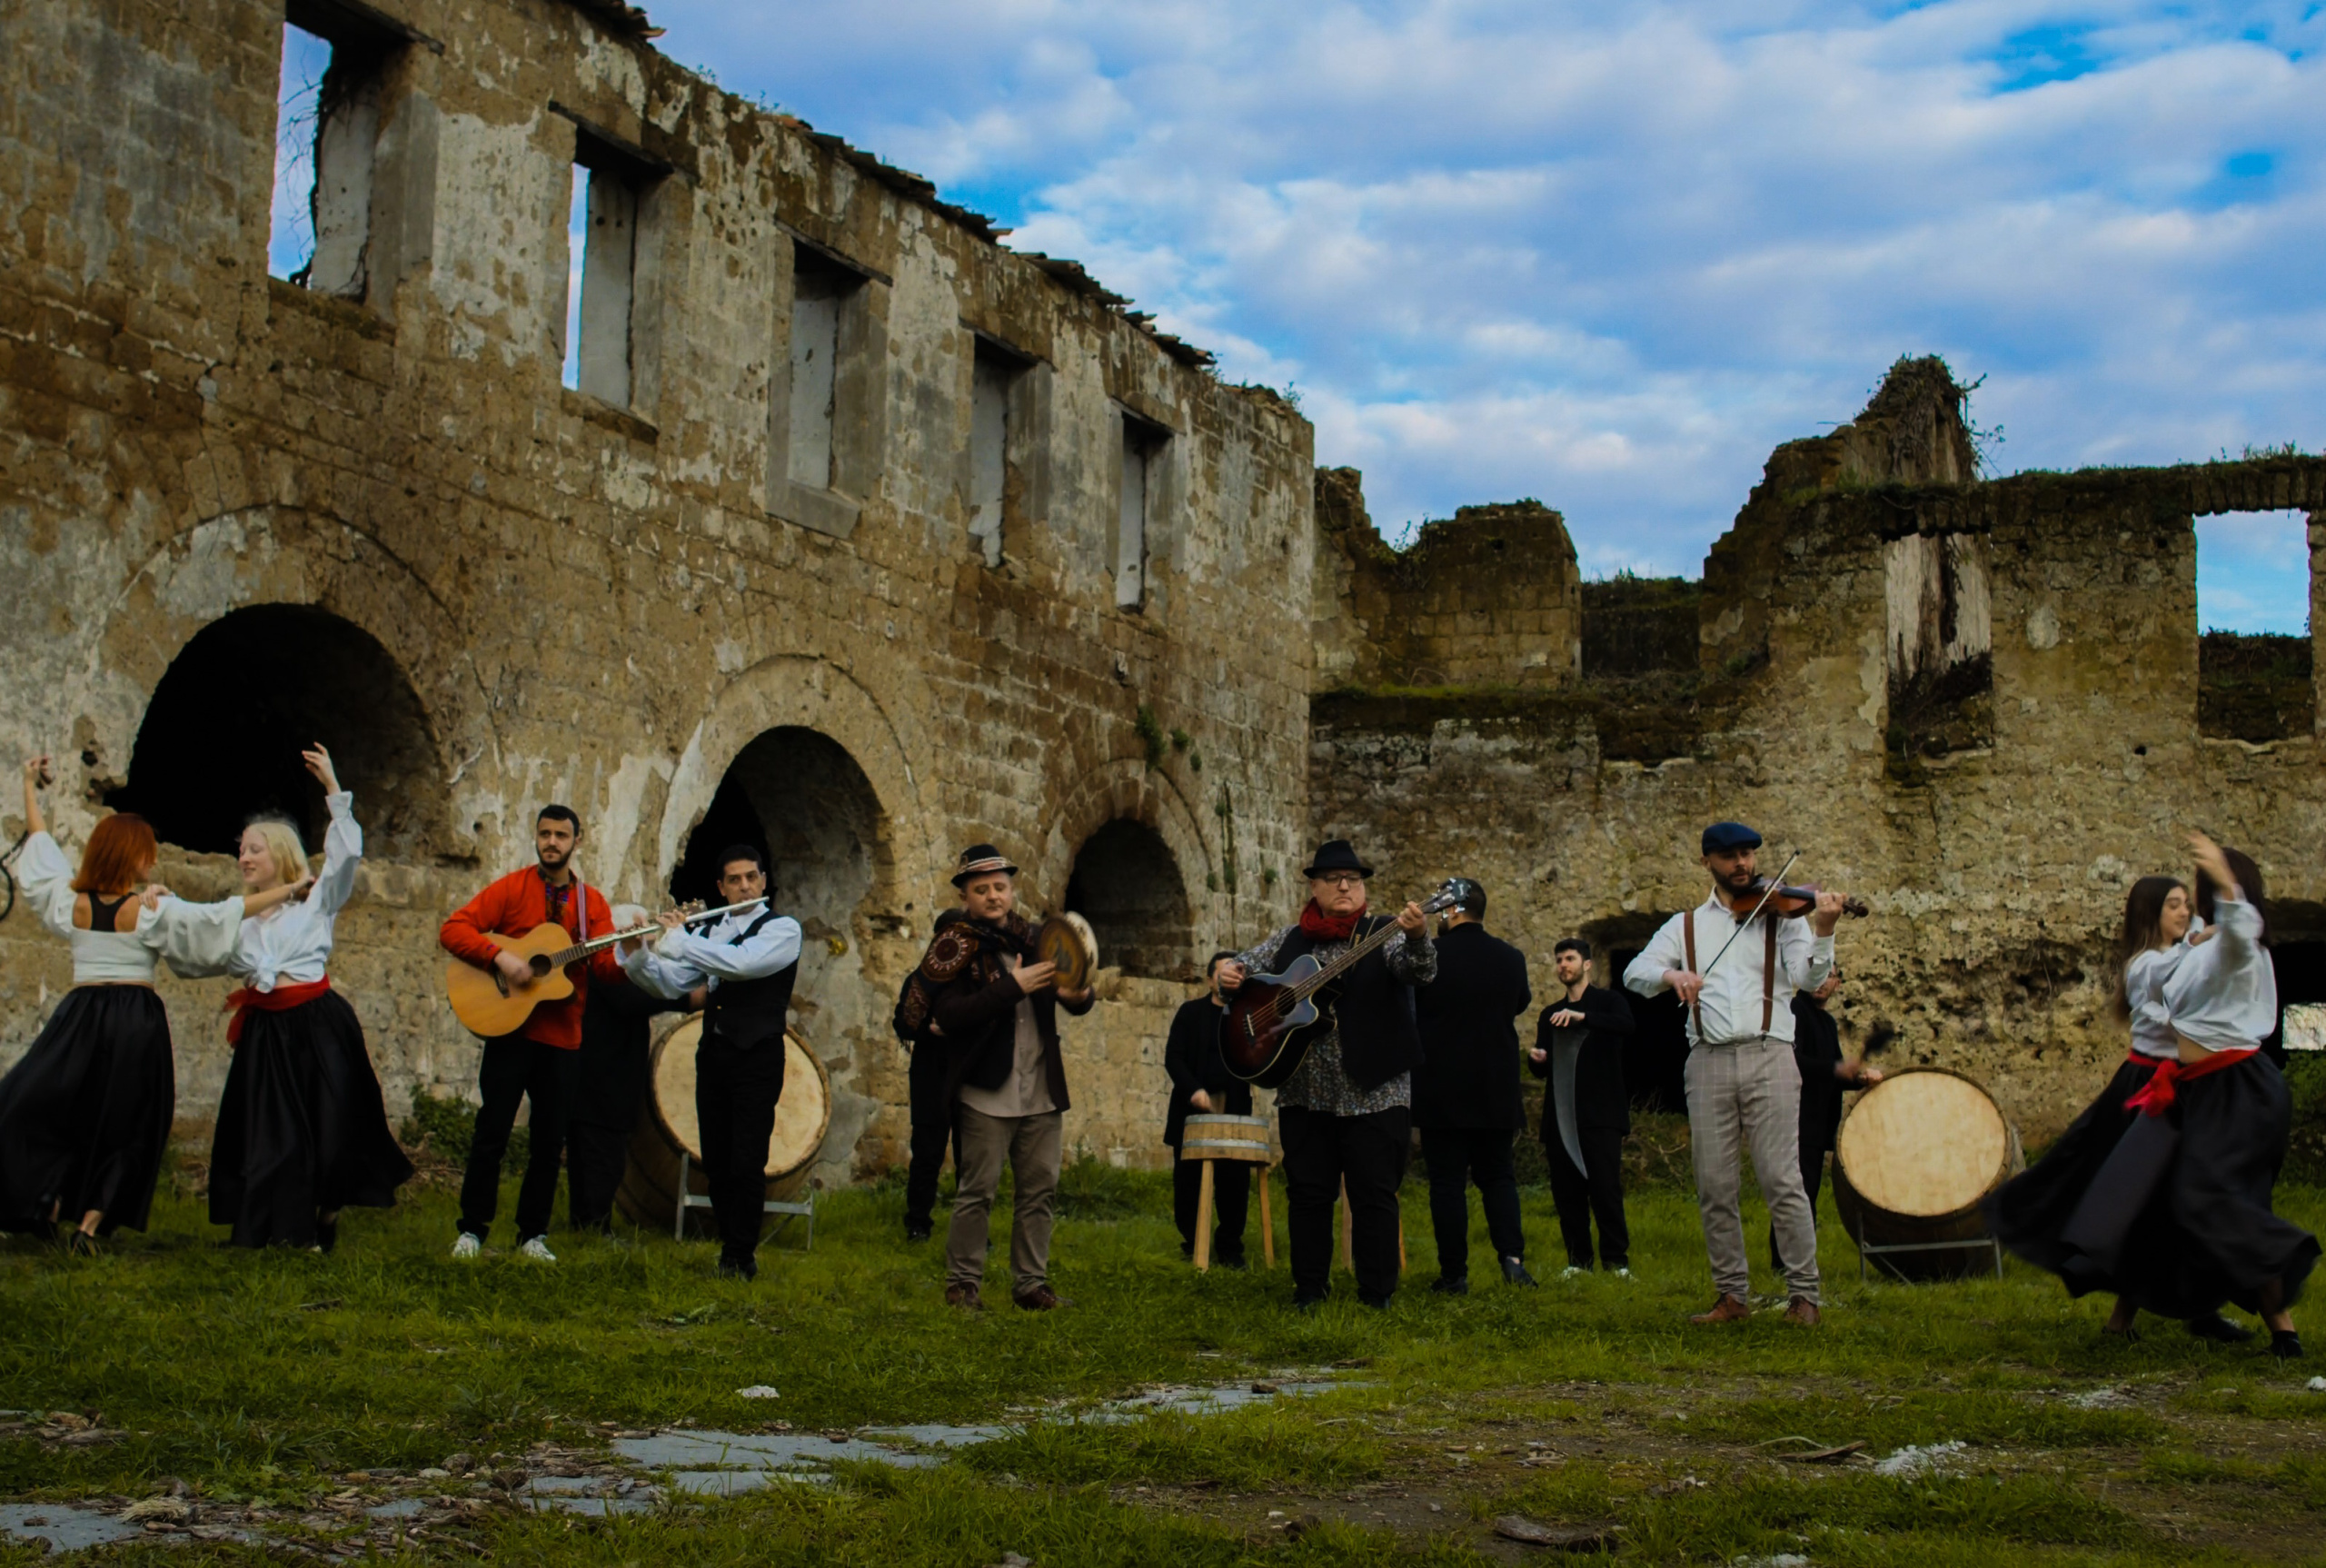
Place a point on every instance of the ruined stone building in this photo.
(842, 526)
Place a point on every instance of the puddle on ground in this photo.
(402, 1508)
(63, 1527)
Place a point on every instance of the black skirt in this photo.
(85, 1118)
(301, 1126)
(2029, 1213)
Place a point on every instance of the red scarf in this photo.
(2157, 1096)
(1323, 928)
(280, 1000)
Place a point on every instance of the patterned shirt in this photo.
(1319, 1083)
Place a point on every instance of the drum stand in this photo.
(1203, 1210)
(786, 1212)
(1875, 1253)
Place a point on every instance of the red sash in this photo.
(2156, 1097)
(280, 1000)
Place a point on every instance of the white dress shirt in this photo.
(1730, 1006)
(2223, 996)
(680, 960)
(2144, 978)
(290, 945)
(195, 939)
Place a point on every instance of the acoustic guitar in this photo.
(488, 1004)
(1273, 1020)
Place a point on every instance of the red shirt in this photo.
(515, 905)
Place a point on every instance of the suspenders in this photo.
(1768, 970)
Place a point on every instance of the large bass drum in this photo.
(667, 1128)
(1915, 1156)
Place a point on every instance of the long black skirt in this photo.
(2029, 1213)
(85, 1118)
(301, 1128)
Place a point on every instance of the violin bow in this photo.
(1775, 883)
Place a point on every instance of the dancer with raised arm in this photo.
(303, 1132)
(85, 1116)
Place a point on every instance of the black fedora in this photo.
(981, 860)
(1336, 855)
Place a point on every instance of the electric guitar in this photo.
(1273, 1020)
(488, 1004)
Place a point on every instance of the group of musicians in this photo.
(1418, 1035)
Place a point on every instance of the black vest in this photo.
(746, 1013)
(1374, 1015)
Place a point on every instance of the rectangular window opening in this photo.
(1941, 679)
(326, 138)
(601, 260)
(2254, 653)
(1143, 448)
(821, 292)
(993, 389)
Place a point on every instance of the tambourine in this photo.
(1068, 941)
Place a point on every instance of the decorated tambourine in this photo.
(1068, 941)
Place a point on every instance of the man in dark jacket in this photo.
(930, 1101)
(1345, 1114)
(1466, 1090)
(1201, 1083)
(610, 1086)
(1580, 1048)
(1824, 1075)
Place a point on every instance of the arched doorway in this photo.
(1126, 882)
(799, 799)
(221, 739)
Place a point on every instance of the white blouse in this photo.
(193, 939)
(290, 945)
(2223, 996)
(2144, 979)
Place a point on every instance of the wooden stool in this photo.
(1349, 1234)
(1244, 1139)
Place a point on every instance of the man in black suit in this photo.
(1824, 1075)
(1580, 1048)
(1200, 1082)
(1465, 1091)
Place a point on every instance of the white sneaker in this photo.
(1572, 1272)
(468, 1246)
(1623, 1274)
(538, 1250)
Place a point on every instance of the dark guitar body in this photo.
(1265, 1051)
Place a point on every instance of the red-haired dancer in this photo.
(85, 1116)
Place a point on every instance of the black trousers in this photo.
(1594, 1192)
(1231, 1193)
(516, 1068)
(1321, 1151)
(1813, 1177)
(596, 1159)
(1457, 1157)
(930, 1138)
(735, 1093)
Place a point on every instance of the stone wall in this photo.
(1974, 704)
(604, 597)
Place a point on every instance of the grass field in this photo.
(254, 1385)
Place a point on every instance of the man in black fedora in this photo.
(1345, 1115)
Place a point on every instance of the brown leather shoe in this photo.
(965, 1296)
(1041, 1298)
(1803, 1312)
(1728, 1309)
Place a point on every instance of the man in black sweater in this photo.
(1580, 1048)
(1466, 1090)
(611, 1083)
(1201, 1084)
(1824, 1075)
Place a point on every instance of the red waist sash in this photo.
(280, 1000)
(2156, 1097)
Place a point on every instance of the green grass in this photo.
(266, 1378)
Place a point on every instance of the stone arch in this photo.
(799, 797)
(1151, 825)
(1126, 883)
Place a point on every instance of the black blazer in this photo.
(1191, 1056)
(1817, 1051)
(1600, 1098)
(980, 1029)
(1374, 1015)
(1468, 1076)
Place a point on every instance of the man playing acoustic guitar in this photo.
(536, 1061)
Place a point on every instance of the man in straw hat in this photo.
(995, 1004)
(1345, 1115)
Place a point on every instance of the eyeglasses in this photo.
(1343, 879)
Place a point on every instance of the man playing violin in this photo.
(1736, 971)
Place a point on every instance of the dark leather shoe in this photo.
(1041, 1298)
(917, 1233)
(964, 1297)
(1301, 1303)
(745, 1268)
(2285, 1344)
(1514, 1272)
(1451, 1285)
(2219, 1329)
(1803, 1312)
(1728, 1309)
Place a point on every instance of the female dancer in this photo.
(302, 1131)
(85, 1117)
(2030, 1213)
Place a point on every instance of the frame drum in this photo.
(668, 1127)
(1915, 1157)
(1068, 941)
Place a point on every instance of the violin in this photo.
(1788, 902)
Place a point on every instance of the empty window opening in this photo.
(1144, 445)
(2255, 653)
(797, 796)
(990, 449)
(821, 292)
(601, 262)
(326, 136)
(221, 739)
(1656, 1058)
(1941, 650)
(1126, 882)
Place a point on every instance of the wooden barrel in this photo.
(667, 1128)
(1915, 1158)
(1221, 1138)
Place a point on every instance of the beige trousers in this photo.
(1740, 1096)
(1032, 1146)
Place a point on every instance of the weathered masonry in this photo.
(1981, 705)
(855, 533)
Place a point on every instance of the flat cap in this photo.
(1730, 836)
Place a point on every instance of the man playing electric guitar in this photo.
(1346, 1111)
(536, 1061)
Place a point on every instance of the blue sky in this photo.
(1608, 257)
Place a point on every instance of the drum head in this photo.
(801, 1115)
(1924, 1142)
(1068, 941)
